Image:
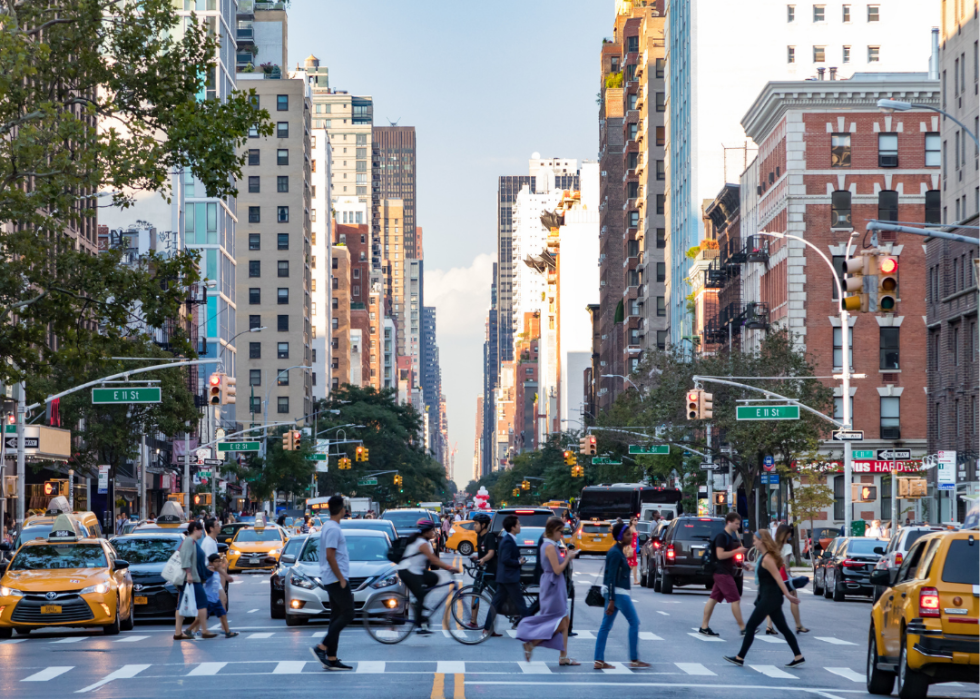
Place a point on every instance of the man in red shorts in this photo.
(726, 546)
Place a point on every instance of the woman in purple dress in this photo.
(549, 627)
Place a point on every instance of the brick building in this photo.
(365, 301)
(340, 283)
(829, 161)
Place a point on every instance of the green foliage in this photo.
(614, 80)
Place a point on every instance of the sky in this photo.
(485, 84)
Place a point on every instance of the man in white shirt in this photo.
(334, 572)
(209, 544)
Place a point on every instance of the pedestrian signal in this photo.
(864, 493)
(202, 499)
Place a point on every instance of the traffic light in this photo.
(587, 445)
(887, 283)
(202, 499)
(863, 493)
(52, 488)
(344, 464)
(704, 406)
(398, 480)
(577, 471)
(854, 270)
(360, 454)
(693, 404)
(214, 389)
(365, 455)
(912, 488)
(569, 458)
(525, 485)
(287, 441)
(515, 493)
(228, 390)
(297, 439)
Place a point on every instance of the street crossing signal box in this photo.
(863, 493)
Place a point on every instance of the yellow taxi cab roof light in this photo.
(63, 529)
(58, 505)
(170, 513)
(259, 521)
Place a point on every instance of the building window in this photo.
(840, 150)
(282, 103)
(282, 404)
(253, 156)
(632, 190)
(254, 214)
(661, 306)
(282, 241)
(282, 350)
(254, 268)
(933, 158)
(632, 132)
(819, 13)
(846, 13)
(874, 53)
(934, 212)
(660, 68)
(840, 209)
(839, 347)
(660, 204)
(634, 219)
(283, 268)
(661, 172)
(282, 183)
(839, 408)
(661, 271)
(282, 377)
(660, 102)
(632, 160)
(887, 205)
(888, 348)
(253, 184)
(890, 421)
(888, 150)
(791, 54)
(661, 238)
(791, 13)
(313, 215)
(254, 241)
(282, 156)
(661, 136)
(819, 54)
(633, 100)
(873, 13)
(254, 297)
(282, 295)
(282, 214)
(334, 323)
(254, 377)
(255, 350)
(661, 339)
(282, 129)
(254, 322)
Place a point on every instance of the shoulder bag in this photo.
(172, 572)
(595, 598)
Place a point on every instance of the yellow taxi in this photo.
(924, 628)
(593, 537)
(66, 579)
(462, 537)
(256, 547)
(171, 518)
(38, 526)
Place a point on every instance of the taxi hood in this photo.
(55, 580)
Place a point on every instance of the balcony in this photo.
(756, 249)
(715, 276)
(757, 316)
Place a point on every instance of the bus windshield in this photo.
(612, 502)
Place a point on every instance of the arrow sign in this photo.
(660, 449)
(212, 462)
(708, 467)
(127, 394)
(849, 436)
(894, 454)
(29, 443)
(238, 446)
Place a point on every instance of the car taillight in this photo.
(579, 535)
(929, 602)
(656, 544)
(670, 552)
(739, 557)
(898, 559)
(853, 564)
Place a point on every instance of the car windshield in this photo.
(148, 550)
(404, 520)
(643, 527)
(360, 548)
(962, 565)
(59, 556)
(40, 531)
(293, 547)
(913, 535)
(698, 529)
(248, 535)
(863, 546)
(602, 528)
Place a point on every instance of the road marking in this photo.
(768, 639)
(847, 673)
(266, 634)
(694, 669)
(450, 667)
(205, 669)
(289, 667)
(236, 582)
(12, 641)
(585, 636)
(618, 669)
(438, 686)
(252, 611)
(70, 640)
(48, 673)
(459, 687)
(663, 613)
(773, 671)
(702, 637)
(834, 641)
(649, 636)
(124, 673)
(264, 582)
(373, 667)
(130, 639)
(535, 667)
(512, 633)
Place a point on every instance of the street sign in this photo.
(603, 461)
(894, 454)
(708, 467)
(768, 463)
(660, 449)
(212, 462)
(368, 481)
(103, 479)
(204, 474)
(127, 394)
(770, 478)
(848, 436)
(946, 470)
(316, 457)
(767, 412)
(238, 446)
(10, 443)
(863, 454)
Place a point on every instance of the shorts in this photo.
(200, 597)
(724, 589)
(215, 609)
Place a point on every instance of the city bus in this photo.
(626, 500)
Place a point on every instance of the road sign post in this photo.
(848, 436)
(767, 412)
(127, 394)
(655, 449)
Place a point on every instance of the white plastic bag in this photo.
(188, 602)
(172, 572)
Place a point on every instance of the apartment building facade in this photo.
(321, 242)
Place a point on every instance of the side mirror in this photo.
(880, 550)
(227, 541)
(222, 548)
(881, 577)
(642, 538)
(120, 565)
(288, 560)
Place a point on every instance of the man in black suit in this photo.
(508, 572)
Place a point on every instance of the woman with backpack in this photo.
(783, 536)
(413, 568)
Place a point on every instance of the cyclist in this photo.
(413, 568)
(486, 543)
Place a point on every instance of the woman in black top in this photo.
(769, 602)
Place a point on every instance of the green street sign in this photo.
(603, 461)
(316, 457)
(767, 412)
(238, 446)
(863, 454)
(661, 449)
(368, 481)
(126, 394)
(204, 474)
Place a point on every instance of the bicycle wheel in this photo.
(468, 615)
(388, 618)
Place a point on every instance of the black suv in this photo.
(680, 558)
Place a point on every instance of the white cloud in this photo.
(461, 296)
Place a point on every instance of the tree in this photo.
(100, 97)
(809, 500)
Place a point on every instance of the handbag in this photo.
(595, 597)
(172, 572)
(188, 602)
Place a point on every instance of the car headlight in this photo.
(299, 580)
(275, 552)
(10, 592)
(99, 589)
(386, 581)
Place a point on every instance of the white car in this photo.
(371, 574)
(898, 546)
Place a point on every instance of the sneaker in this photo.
(639, 664)
(707, 632)
(321, 656)
(734, 661)
(337, 665)
(795, 663)
(423, 631)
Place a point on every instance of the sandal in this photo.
(209, 635)
(771, 632)
(528, 650)
(183, 637)
(802, 629)
(601, 665)
(568, 661)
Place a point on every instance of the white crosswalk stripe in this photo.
(130, 639)
(773, 671)
(618, 669)
(649, 636)
(834, 641)
(702, 637)
(451, 667)
(694, 669)
(75, 639)
(265, 634)
(12, 641)
(48, 673)
(585, 636)
(376, 667)
(289, 667)
(664, 613)
(535, 667)
(125, 672)
(847, 673)
(206, 669)
(768, 639)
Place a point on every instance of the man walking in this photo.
(209, 544)
(725, 547)
(334, 571)
(509, 564)
(191, 561)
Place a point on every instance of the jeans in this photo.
(341, 614)
(625, 605)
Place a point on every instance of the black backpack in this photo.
(710, 564)
(397, 551)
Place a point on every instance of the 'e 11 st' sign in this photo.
(767, 412)
(149, 394)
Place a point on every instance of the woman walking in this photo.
(631, 554)
(617, 591)
(769, 602)
(784, 536)
(549, 627)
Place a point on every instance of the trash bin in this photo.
(858, 527)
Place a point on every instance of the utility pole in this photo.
(710, 474)
(21, 460)
(187, 468)
(142, 476)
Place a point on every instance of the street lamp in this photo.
(266, 408)
(887, 105)
(624, 378)
(225, 346)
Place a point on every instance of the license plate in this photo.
(700, 553)
(50, 609)
(597, 539)
(141, 600)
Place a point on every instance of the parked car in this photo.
(924, 627)
(848, 572)
(898, 546)
(684, 545)
(405, 519)
(277, 580)
(821, 562)
(374, 525)
(646, 559)
(147, 553)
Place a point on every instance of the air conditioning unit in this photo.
(888, 161)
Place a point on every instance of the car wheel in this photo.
(827, 587)
(878, 681)
(22, 631)
(113, 628)
(838, 593)
(817, 590)
(466, 549)
(911, 683)
(128, 623)
(6, 632)
(666, 583)
(293, 620)
(277, 608)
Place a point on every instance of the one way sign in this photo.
(10, 443)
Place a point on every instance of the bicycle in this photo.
(471, 605)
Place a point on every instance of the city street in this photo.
(269, 659)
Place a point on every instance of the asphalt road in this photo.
(268, 659)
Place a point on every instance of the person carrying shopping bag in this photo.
(616, 582)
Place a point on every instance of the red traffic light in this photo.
(888, 265)
(692, 396)
(214, 379)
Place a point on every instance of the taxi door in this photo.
(954, 575)
(897, 599)
(124, 583)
